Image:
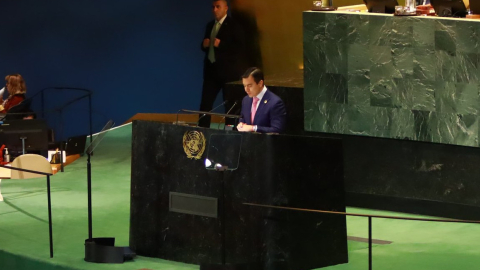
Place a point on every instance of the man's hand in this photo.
(244, 127)
(206, 43)
(216, 43)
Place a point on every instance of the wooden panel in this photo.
(171, 118)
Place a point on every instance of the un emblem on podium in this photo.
(194, 144)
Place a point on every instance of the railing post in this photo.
(370, 243)
(50, 233)
(90, 115)
(43, 104)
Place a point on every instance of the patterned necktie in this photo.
(254, 108)
(213, 35)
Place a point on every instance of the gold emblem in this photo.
(265, 101)
(194, 144)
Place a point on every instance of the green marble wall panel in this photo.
(411, 78)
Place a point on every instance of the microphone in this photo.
(203, 115)
(229, 110)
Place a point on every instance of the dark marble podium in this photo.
(403, 94)
(273, 170)
(386, 76)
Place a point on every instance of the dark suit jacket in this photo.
(229, 53)
(270, 116)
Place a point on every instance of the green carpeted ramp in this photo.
(24, 223)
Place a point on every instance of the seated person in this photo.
(262, 110)
(16, 92)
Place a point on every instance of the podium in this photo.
(183, 212)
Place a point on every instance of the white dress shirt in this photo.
(259, 96)
(221, 20)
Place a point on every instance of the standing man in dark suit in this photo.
(262, 110)
(223, 45)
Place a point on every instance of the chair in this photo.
(32, 162)
(20, 111)
(4, 174)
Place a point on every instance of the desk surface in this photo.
(364, 13)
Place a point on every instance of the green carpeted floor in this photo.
(24, 223)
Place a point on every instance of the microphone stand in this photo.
(231, 108)
(176, 123)
(101, 249)
(89, 194)
(223, 103)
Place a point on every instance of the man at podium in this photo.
(262, 110)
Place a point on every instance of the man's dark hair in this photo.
(255, 72)
(226, 2)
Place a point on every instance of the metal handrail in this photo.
(25, 170)
(363, 215)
